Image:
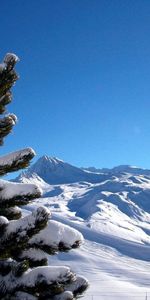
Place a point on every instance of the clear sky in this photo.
(84, 88)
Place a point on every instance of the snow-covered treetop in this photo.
(8, 77)
(10, 59)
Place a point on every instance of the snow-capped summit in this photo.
(55, 171)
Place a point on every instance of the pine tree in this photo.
(24, 274)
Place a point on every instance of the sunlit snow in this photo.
(114, 217)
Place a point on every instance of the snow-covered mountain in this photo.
(56, 171)
(116, 202)
(112, 210)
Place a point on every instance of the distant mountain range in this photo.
(115, 201)
(120, 169)
(56, 171)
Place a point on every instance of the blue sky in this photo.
(84, 88)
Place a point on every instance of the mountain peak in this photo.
(46, 158)
(55, 171)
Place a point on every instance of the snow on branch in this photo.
(77, 286)
(16, 160)
(34, 256)
(12, 193)
(4, 100)
(3, 224)
(6, 125)
(64, 296)
(8, 77)
(49, 280)
(7, 74)
(56, 236)
(11, 213)
(9, 62)
(22, 240)
(18, 232)
(23, 296)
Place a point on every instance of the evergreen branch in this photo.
(35, 257)
(11, 213)
(8, 77)
(6, 125)
(16, 160)
(12, 193)
(17, 233)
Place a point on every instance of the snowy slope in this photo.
(119, 205)
(113, 214)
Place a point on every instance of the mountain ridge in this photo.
(120, 169)
(56, 171)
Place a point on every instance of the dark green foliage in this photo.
(11, 213)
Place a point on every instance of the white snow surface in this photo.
(56, 232)
(51, 273)
(9, 190)
(24, 296)
(113, 215)
(26, 223)
(34, 254)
